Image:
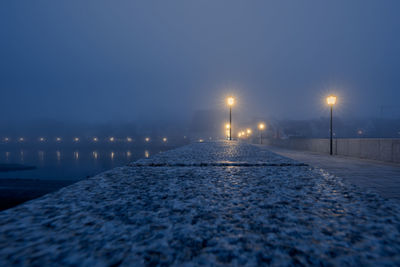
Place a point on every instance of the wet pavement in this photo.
(216, 203)
(380, 177)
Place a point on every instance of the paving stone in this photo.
(205, 215)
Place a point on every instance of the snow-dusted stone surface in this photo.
(204, 215)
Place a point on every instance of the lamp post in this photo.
(227, 127)
(331, 101)
(261, 127)
(230, 102)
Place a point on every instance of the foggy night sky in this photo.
(132, 60)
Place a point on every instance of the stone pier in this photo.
(212, 203)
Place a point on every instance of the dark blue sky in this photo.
(126, 60)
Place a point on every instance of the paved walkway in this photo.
(212, 204)
(380, 177)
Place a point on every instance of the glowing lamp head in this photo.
(112, 139)
(248, 131)
(230, 101)
(331, 100)
(261, 126)
(164, 139)
(129, 139)
(95, 139)
(58, 139)
(76, 139)
(147, 139)
(21, 139)
(41, 139)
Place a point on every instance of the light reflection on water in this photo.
(63, 164)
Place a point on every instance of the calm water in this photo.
(70, 164)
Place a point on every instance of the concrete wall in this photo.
(377, 149)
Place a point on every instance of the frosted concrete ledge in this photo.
(204, 215)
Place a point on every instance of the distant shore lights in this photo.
(112, 139)
(95, 139)
(331, 101)
(128, 139)
(164, 139)
(147, 139)
(76, 139)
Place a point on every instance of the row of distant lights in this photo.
(77, 139)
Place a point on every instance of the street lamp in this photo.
(227, 127)
(231, 102)
(261, 127)
(331, 101)
(248, 132)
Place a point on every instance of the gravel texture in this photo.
(182, 208)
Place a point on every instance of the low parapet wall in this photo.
(367, 148)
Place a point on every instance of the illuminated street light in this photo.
(231, 102)
(58, 139)
(331, 101)
(164, 139)
(227, 132)
(112, 139)
(6, 139)
(76, 139)
(147, 139)
(41, 139)
(21, 139)
(129, 139)
(261, 127)
(95, 139)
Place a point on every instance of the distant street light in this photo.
(164, 139)
(231, 102)
(147, 139)
(112, 139)
(129, 139)
(331, 101)
(95, 139)
(261, 127)
(227, 127)
(76, 139)
(58, 139)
